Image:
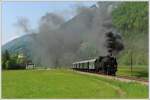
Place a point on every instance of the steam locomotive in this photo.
(103, 64)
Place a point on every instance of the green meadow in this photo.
(138, 71)
(58, 83)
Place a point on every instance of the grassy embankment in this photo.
(65, 84)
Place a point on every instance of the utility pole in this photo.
(131, 63)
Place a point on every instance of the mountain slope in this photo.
(19, 45)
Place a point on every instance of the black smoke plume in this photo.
(113, 43)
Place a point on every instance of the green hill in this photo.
(131, 19)
(20, 45)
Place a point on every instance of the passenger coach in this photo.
(84, 65)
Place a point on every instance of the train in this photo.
(103, 64)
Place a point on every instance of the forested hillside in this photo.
(131, 19)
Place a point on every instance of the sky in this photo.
(33, 11)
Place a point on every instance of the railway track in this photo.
(120, 78)
(132, 78)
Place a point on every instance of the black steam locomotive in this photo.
(104, 64)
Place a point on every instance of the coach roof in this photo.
(85, 61)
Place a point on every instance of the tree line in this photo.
(13, 61)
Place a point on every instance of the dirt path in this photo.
(114, 78)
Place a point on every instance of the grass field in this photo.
(65, 84)
(137, 71)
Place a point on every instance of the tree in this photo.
(131, 19)
(13, 61)
(5, 58)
